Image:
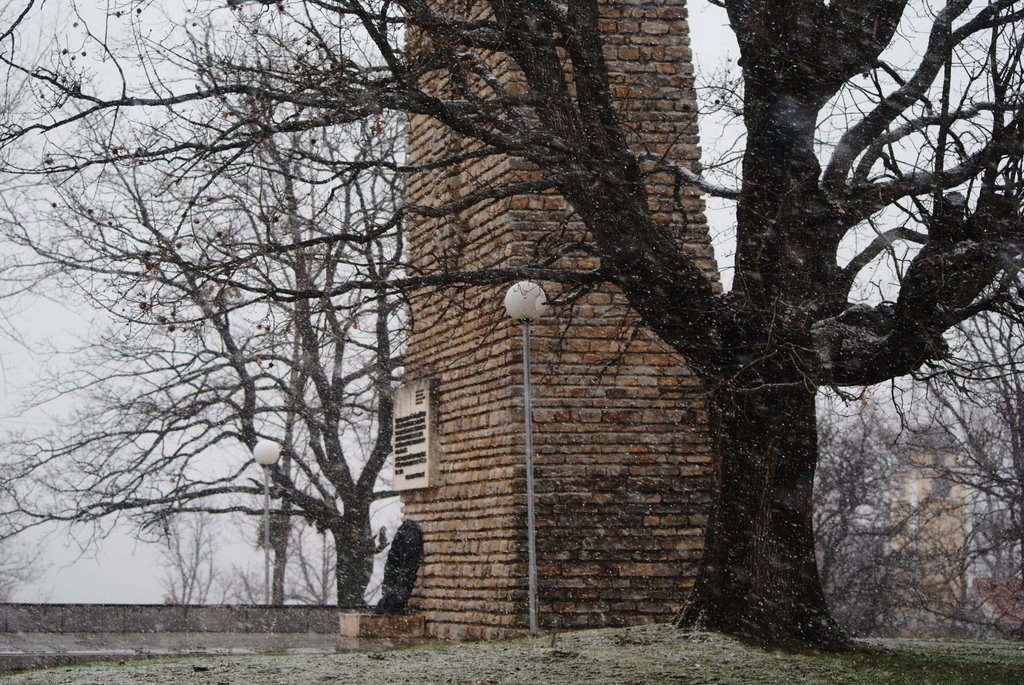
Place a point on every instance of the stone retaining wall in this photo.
(157, 618)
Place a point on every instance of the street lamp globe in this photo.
(266, 452)
(526, 301)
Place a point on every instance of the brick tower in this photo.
(622, 459)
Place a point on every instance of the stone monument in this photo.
(622, 459)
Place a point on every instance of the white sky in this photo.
(713, 44)
(122, 570)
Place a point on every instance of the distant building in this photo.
(1002, 603)
(929, 544)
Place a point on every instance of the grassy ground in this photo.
(649, 655)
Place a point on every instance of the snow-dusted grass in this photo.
(650, 655)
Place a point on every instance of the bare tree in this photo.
(913, 162)
(18, 563)
(310, 576)
(313, 563)
(18, 566)
(980, 404)
(188, 551)
(853, 520)
(192, 366)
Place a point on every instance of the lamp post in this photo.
(266, 453)
(526, 301)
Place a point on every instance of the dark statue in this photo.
(400, 569)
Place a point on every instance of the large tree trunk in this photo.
(354, 548)
(759, 579)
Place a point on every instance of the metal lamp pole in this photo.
(266, 453)
(531, 524)
(525, 301)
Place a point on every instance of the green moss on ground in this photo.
(649, 655)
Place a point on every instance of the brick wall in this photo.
(621, 461)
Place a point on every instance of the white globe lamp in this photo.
(266, 452)
(526, 301)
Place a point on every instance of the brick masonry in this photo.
(622, 460)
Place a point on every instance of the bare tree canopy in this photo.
(853, 143)
(175, 393)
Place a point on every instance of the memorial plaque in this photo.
(412, 439)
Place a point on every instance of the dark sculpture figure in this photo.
(400, 569)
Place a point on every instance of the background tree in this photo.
(913, 162)
(980, 406)
(313, 567)
(983, 408)
(17, 567)
(191, 367)
(912, 525)
(188, 551)
(853, 521)
(310, 577)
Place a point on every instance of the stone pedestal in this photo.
(381, 626)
